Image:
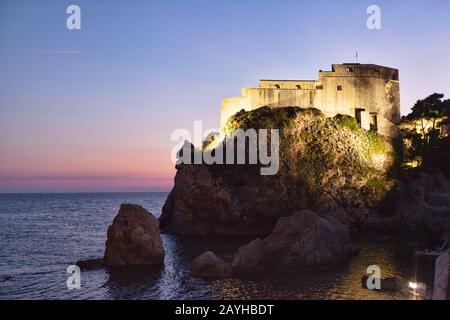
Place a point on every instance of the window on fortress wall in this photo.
(349, 69)
(319, 87)
(276, 86)
(298, 86)
(339, 88)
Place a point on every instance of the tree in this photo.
(431, 108)
(420, 128)
(446, 106)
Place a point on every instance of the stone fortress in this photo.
(368, 92)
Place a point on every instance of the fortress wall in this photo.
(372, 94)
(254, 98)
(356, 92)
(375, 89)
(232, 105)
(387, 128)
(275, 98)
(333, 101)
(365, 70)
(392, 101)
(288, 84)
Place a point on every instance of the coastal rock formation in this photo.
(326, 164)
(303, 240)
(90, 264)
(134, 238)
(424, 204)
(208, 265)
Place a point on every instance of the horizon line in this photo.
(75, 192)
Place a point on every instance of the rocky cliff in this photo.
(328, 165)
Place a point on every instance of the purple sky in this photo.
(93, 109)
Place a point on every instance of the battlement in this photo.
(337, 70)
(362, 70)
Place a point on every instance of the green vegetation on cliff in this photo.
(325, 164)
(327, 155)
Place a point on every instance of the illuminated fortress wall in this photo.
(371, 93)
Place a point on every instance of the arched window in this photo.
(276, 86)
(298, 87)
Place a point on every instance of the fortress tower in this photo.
(368, 92)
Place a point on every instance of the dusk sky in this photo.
(93, 109)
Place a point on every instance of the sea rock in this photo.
(324, 164)
(90, 264)
(303, 240)
(208, 265)
(134, 238)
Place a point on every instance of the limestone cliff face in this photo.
(326, 164)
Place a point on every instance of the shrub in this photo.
(347, 121)
(376, 144)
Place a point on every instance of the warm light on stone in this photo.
(368, 92)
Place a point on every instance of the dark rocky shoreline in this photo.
(335, 183)
(327, 169)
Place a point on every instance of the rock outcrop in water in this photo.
(134, 238)
(90, 264)
(326, 164)
(208, 265)
(301, 241)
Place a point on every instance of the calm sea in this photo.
(42, 234)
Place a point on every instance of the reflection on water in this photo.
(131, 282)
(343, 282)
(173, 281)
(41, 235)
